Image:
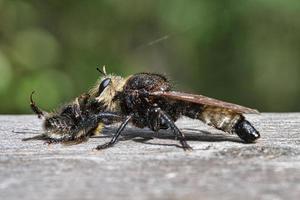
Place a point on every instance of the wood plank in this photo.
(138, 167)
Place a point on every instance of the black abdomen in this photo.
(246, 131)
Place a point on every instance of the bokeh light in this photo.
(6, 73)
(246, 52)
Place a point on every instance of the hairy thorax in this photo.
(134, 98)
(108, 97)
(129, 96)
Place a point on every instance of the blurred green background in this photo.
(246, 52)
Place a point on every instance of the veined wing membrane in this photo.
(203, 100)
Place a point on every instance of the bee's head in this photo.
(107, 88)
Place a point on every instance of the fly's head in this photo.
(106, 90)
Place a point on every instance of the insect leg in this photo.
(174, 128)
(35, 108)
(116, 136)
(108, 117)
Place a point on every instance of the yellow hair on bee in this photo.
(98, 130)
(108, 94)
(220, 118)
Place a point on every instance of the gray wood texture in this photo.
(144, 165)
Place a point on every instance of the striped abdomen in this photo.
(223, 119)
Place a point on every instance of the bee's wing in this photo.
(203, 100)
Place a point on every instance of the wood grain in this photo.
(144, 165)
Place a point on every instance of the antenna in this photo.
(103, 71)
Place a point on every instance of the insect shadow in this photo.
(144, 136)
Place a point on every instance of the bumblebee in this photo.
(146, 100)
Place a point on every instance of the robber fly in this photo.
(144, 100)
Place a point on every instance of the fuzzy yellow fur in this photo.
(99, 129)
(106, 97)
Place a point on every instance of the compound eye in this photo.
(103, 85)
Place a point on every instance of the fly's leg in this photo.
(116, 136)
(165, 120)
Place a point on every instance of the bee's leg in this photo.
(51, 138)
(35, 108)
(170, 123)
(37, 137)
(116, 136)
(73, 137)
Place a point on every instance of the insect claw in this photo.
(185, 146)
(104, 146)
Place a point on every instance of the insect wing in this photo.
(203, 100)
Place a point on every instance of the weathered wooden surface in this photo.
(220, 167)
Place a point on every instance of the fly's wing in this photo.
(204, 101)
